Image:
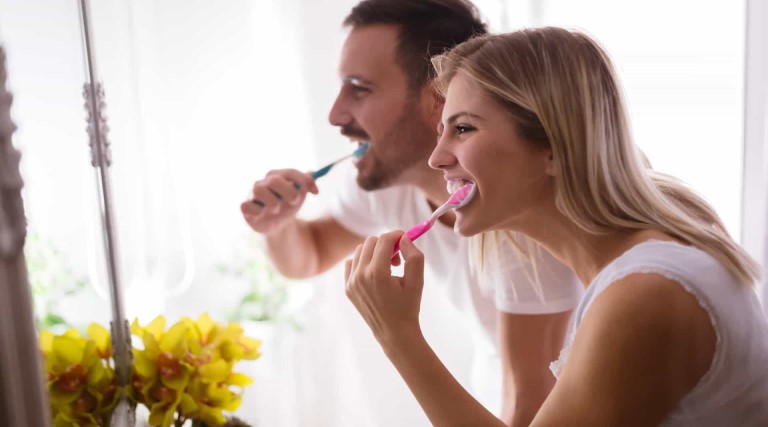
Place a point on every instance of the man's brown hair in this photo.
(426, 28)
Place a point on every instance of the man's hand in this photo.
(276, 199)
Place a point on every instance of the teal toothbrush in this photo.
(358, 153)
(324, 170)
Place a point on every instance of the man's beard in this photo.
(409, 143)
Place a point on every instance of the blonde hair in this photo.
(564, 93)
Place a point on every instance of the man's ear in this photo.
(434, 103)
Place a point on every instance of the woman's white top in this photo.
(734, 392)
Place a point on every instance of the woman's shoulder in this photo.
(687, 265)
(656, 285)
(648, 325)
(646, 293)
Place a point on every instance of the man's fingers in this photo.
(266, 197)
(249, 208)
(284, 190)
(299, 180)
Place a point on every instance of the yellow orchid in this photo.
(237, 346)
(182, 373)
(186, 372)
(207, 401)
(81, 384)
(215, 349)
(161, 369)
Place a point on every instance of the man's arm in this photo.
(298, 248)
(302, 249)
(527, 345)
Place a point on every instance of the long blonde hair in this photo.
(564, 93)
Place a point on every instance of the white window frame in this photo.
(754, 235)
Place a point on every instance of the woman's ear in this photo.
(551, 168)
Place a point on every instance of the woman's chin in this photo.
(464, 228)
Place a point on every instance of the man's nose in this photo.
(339, 114)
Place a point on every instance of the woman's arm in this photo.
(390, 306)
(445, 402)
(527, 345)
(643, 345)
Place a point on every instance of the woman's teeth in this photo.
(455, 184)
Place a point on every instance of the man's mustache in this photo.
(354, 133)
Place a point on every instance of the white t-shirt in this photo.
(734, 392)
(446, 254)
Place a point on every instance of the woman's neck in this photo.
(584, 252)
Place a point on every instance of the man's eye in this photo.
(360, 90)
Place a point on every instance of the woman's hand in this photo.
(388, 303)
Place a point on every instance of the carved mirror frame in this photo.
(24, 401)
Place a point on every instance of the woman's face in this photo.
(479, 142)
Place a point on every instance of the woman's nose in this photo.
(441, 157)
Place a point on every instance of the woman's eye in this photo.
(461, 129)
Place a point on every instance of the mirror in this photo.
(202, 98)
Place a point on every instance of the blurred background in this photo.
(204, 97)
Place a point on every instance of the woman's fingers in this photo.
(366, 254)
(347, 270)
(355, 260)
(382, 257)
(413, 273)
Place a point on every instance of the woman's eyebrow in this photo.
(456, 116)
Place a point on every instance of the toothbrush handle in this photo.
(319, 173)
(413, 233)
(325, 169)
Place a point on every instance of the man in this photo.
(387, 101)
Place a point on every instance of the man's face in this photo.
(375, 105)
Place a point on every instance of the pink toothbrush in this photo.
(458, 199)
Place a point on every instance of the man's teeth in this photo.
(455, 184)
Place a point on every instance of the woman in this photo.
(669, 330)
